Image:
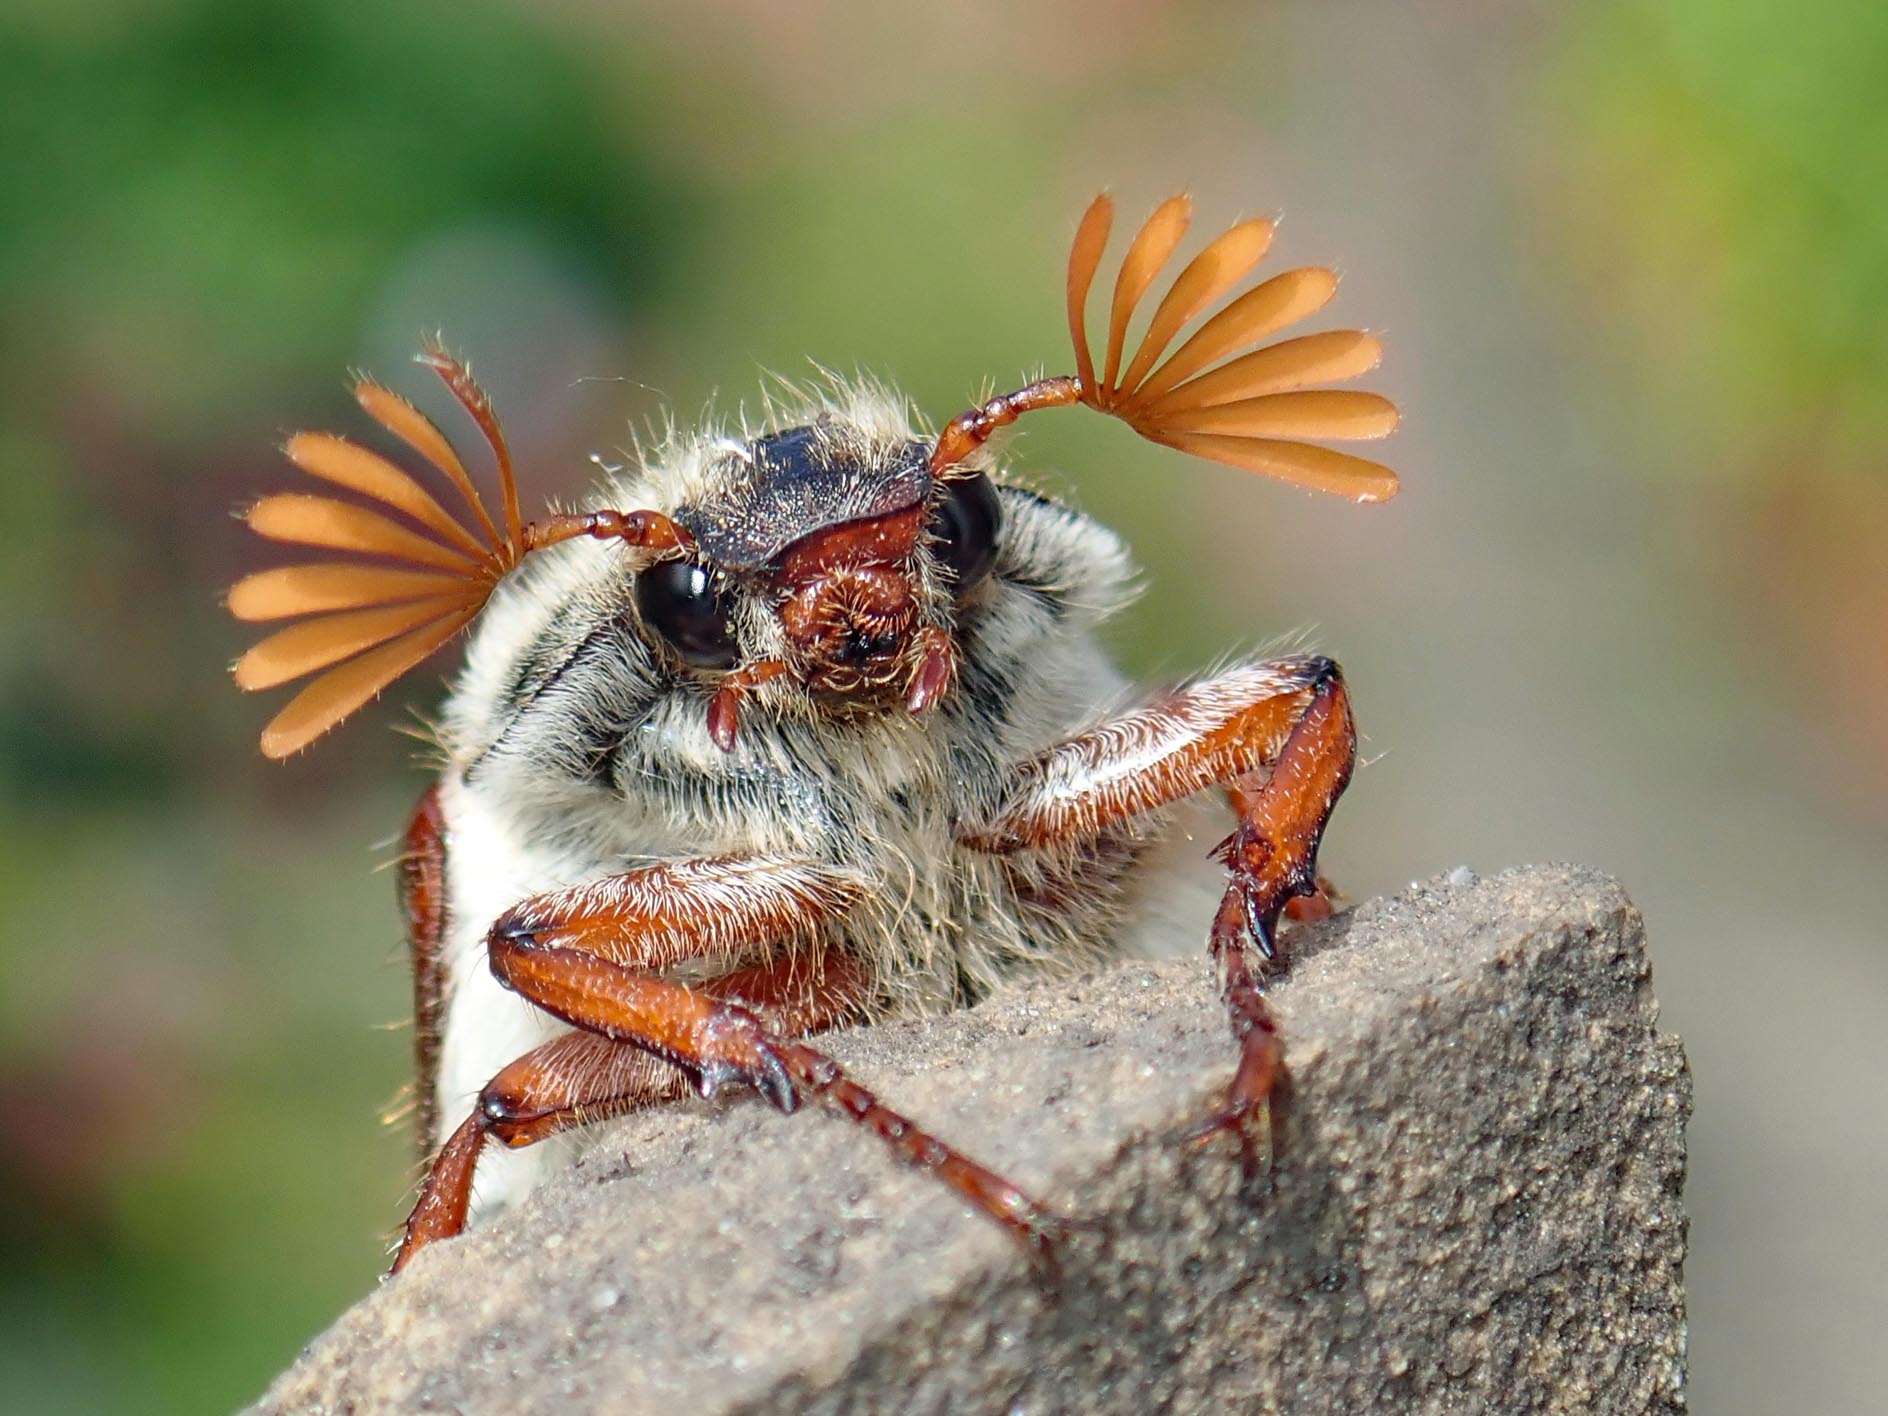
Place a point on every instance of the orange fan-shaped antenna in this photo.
(1224, 394)
(363, 623)
(367, 622)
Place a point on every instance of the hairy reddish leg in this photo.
(651, 918)
(423, 901)
(585, 955)
(1273, 856)
(581, 1078)
(1278, 736)
(718, 1043)
(569, 1081)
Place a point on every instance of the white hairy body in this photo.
(574, 754)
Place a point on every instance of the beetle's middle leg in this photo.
(580, 1078)
(1277, 735)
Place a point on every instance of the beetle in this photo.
(805, 723)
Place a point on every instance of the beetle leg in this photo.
(580, 1078)
(423, 901)
(587, 955)
(569, 1081)
(1321, 903)
(719, 1042)
(1278, 736)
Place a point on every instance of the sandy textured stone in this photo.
(1477, 1209)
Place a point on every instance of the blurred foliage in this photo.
(1720, 190)
(215, 189)
(1723, 183)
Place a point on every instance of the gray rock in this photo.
(1477, 1207)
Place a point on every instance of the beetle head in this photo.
(849, 553)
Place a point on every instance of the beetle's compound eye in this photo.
(685, 605)
(965, 528)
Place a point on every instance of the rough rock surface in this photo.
(1477, 1207)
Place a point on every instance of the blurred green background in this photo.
(1631, 260)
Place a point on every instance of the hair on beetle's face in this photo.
(848, 546)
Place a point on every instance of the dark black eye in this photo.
(966, 524)
(682, 603)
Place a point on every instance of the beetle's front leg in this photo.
(589, 956)
(718, 1041)
(712, 911)
(1273, 857)
(1278, 736)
